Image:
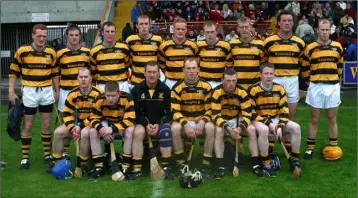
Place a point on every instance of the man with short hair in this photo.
(269, 102)
(231, 36)
(190, 104)
(173, 52)
(247, 54)
(323, 63)
(109, 59)
(35, 64)
(80, 99)
(232, 114)
(113, 116)
(284, 51)
(70, 60)
(152, 106)
(143, 48)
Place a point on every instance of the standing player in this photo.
(143, 48)
(153, 116)
(323, 63)
(269, 101)
(109, 59)
(213, 55)
(247, 54)
(35, 64)
(173, 52)
(230, 103)
(113, 114)
(82, 98)
(284, 50)
(70, 60)
(190, 104)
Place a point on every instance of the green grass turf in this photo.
(319, 178)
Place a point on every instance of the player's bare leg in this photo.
(312, 132)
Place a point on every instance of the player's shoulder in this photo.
(205, 84)
(121, 45)
(253, 87)
(272, 38)
(85, 49)
(223, 44)
(74, 91)
(277, 87)
(157, 38)
(257, 42)
(97, 90)
(178, 86)
(201, 43)
(125, 95)
(336, 44)
(24, 48)
(96, 48)
(132, 38)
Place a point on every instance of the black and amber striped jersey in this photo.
(119, 116)
(322, 63)
(284, 54)
(269, 104)
(36, 68)
(84, 104)
(69, 63)
(142, 51)
(247, 58)
(172, 55)
(109, 64)
(213, 60)
(227, 106)
(191, 102)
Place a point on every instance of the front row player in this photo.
(269, 101)
(152, 107)
(82, 98)
(230, 103)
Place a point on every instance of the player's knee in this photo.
(85, 134)
(296, 129)
(60, 132)
(128, 134)
(219, 133)
(139, 132)
(165, 136)
(263, 131)
(209, 129)
(176, 129)
(332, 119)
(314, 119)
(93, 133)
(251, 131)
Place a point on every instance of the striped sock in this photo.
(295, 154)
(180, 158)
(333, 141)
(66, 146)
(288, 145)
(127, 160)
(265, 159)
(56, 157)
(25, 146)
(46, 142)
(97, 160)
(137, 163)
(271, 145)
(166, 161)
(206, 160)
(310, 144)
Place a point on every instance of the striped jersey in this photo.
(323, 63)
(191, 102)
(213, 60)
(172, 55)
(69, 63)
(269, 104)
(109, 64)
(247, 58)
(284, 54)
(227, 106)
(119, 116)
(84, 104)
(142, 51)
(36, 68)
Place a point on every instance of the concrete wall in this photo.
(21, 11)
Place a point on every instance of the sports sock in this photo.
(66, 148)
(166, 161)
(271, 146)
(288, 145)
(180, 158)
(25, 146)
(265, 159)
(127, 160)
(56, 157)
(256, 161)
(97, 160)
(46, 142)
(310, 144)
(333, 141)
(137, 163)
(295, 154)
(206, 160)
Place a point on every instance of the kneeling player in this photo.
(190, 104)
(269, 101)
(112, 116)
(152, 107)
(79, 99)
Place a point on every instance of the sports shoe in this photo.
(257, 170)
(136, 173)
(206, 173)
(66, 156)
(268, 171)
(24, 165)
(308, 155)
(96, 173)
(169, 175)
(48, 159)
(220, 173)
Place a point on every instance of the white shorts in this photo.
(162, 76)
(192, 123)
(170, 83)
(291, 86)
(123, 86)
(233, 122)
(323, 96)
(62, 99)
(214, 84)
(35, 96)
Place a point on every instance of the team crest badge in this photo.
(142, 96)
(118, 51)
(200, 91)
(153, 43)
(294, 44)
(161, 95)
(48, 57)
(334, 49)
(218, 49)
(90, 100)
(83, 54)
(121, 111)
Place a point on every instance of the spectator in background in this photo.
(231, 36)
(83, 44)
(251, 11)
(264, 11)
(200, 36)
(342, 4)
(327, 11)
(305, 11)
(225, 13)
(188, 14)
(201, 14)
(303, 28)
(346, 20)
(308, 37)
(338, 13)
(191, 35)
(58, 44)
(351, 50)
(336, 34)
(127, 31)
(136, 12)
(333, 27)
(156, 11)
(215, 14)
(350, 11)
(317, 11)
(293, 6)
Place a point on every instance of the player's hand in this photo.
(236, 133)
(108, 138)
(155, 130)
(278, 133)
(272, 127)
(76, 132)
(150, 129)
(105, 131)
(57, 95)
(12, 97)
(189, 130)
(199, 128)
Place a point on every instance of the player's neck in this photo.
(285, 35)
(109, 44)
(266, 87)
(73, 47)
(246, 40)
(85, 90)
(323, 42)
(179, 41)
(191, 82)
(213, 42)
(145, 36)
(38, 48)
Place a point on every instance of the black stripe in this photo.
(284, 54)
(331, 82)
(67, 88)
(110, 61)
(246, 69)
(35, 66)
(324, 71)
(69, 77)
(14, 72)
(192, 102)
(246, 57)
(212, 70)
(177, 57)
(138, 75)
(212, 59)
(144, 53)
(193, 114)
(139, 64)
(36, 78)
(36, 54)
(174, 69)
(112, 72)
(211, 79)
(324, 59)
(286, 66)
(77, 63)
(248, 81)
